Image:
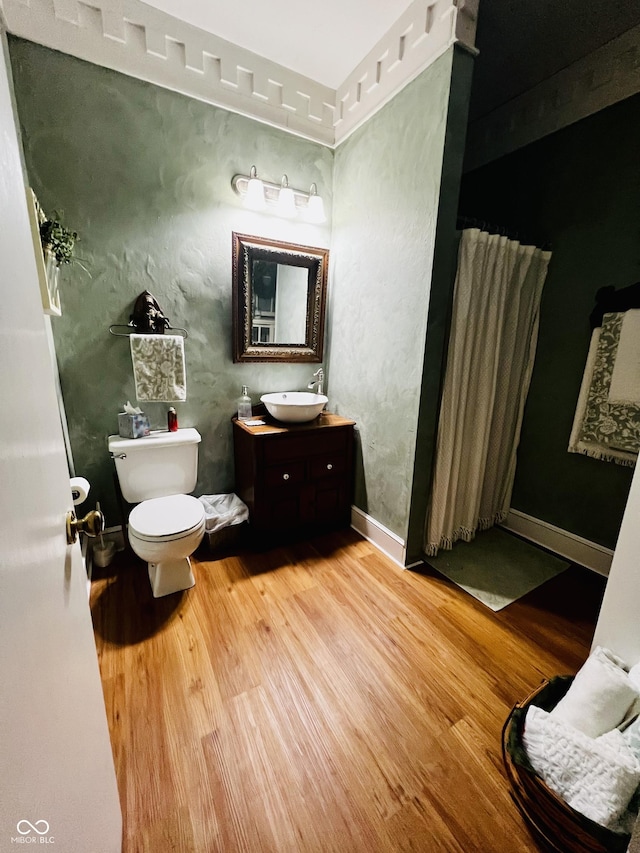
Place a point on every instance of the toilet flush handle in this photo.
(92, 524)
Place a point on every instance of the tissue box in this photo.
(133, 426)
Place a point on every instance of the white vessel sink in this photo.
(294, 406)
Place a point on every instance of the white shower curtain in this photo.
(492, 343)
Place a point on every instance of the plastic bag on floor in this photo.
(223, 511)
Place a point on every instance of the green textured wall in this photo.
(143, 174)
(445, 264)
(578, 189)
(386, 188)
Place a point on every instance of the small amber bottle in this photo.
(172, 420)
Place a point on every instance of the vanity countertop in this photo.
(273, 427)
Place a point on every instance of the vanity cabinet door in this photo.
(296, 478)
(330, 503)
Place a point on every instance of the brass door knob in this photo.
(92, 524)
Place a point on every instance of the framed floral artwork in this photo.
(47, 268)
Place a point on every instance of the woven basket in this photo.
(554, 824)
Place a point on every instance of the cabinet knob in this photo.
(285, 476)
(329, 466)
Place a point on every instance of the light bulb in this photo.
(315, 207)
(286, 206)
(254, 199)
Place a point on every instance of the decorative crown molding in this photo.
(134, 38)
(424, 32)
(608, 75)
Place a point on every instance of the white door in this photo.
(618, 625)
(57, 782)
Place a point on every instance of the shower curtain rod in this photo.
(474, 222)
(482, 224)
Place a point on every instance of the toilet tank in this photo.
(153, 466)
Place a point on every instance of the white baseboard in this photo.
(386, 541)
(562, 542)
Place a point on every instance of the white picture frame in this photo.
(48, 284)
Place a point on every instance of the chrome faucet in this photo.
(317, 382)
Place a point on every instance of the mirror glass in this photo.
(279, 304)
(279, 292)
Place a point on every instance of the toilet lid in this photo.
(164, 518)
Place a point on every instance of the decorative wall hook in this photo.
(147, 318)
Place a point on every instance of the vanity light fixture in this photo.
(280, 199)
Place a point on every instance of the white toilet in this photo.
(167, 525)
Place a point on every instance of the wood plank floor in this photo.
(316, 697)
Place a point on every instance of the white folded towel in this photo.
(620, 742)
(158, 368)
(600, 695)
(596, 777)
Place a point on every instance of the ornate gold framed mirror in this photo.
(279, 295)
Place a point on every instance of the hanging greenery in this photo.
(58, 239)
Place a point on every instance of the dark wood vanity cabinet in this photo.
(295, 477)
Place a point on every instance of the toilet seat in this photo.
(168, 518)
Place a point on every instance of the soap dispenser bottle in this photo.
(244, 405)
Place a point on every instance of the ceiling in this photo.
(523, 42)
(322, 40)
